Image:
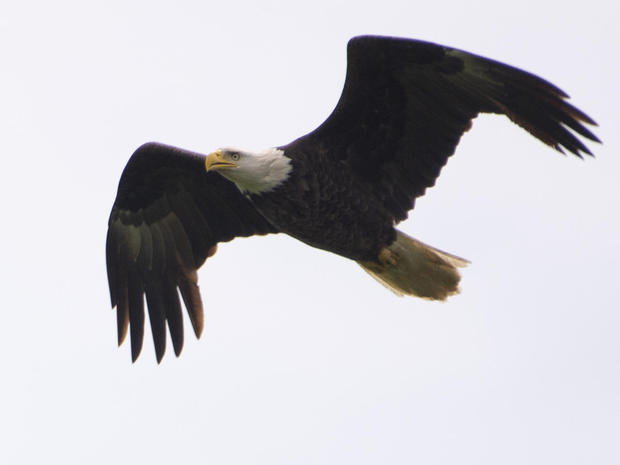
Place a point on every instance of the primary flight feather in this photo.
(341, 188)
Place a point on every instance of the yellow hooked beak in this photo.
(217, 160)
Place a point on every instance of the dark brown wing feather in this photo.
(406, 103)
(168, 216)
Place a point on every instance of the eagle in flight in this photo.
(343, 187)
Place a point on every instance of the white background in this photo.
(304, 358)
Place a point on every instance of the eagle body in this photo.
(328, 209)
(343, 187)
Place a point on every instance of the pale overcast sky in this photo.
(304, 358)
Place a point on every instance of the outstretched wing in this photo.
(406, 103)
(168, 216)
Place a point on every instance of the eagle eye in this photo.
(234, 156)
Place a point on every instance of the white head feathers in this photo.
(256, 172)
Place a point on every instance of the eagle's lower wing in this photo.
(406, 103)
(168, 216)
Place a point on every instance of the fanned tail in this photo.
(410, 267)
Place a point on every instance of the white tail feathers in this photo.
(410, 267)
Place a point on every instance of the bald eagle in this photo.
(342, 188)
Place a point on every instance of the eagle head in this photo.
(254, 172)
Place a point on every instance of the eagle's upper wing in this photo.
(167, 218)
(406, 103)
